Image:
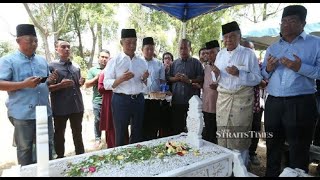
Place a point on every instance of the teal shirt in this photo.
(93, 72)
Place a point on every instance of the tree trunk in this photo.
(78, 31)
(99, 34)
(264, 13)
(43, 32)
(46, 46)
(94, 40)
(255, 19)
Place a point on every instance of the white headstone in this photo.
(42, 141)
(195, 122)
(289, 172)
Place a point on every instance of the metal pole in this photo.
(184, 30)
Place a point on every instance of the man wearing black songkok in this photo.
(21, 75)
(152, 108)
(239, 72)
(291, 66)
(126, 74)
(210, 94)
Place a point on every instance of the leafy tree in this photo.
(83, 65)
(203, 29)
(6, 47)
(99, 17)
(49, 19)
(148, 22)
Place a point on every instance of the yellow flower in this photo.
(179, 149)
(120, 157)
(171, 150)
(196, 153)
(160, 155)
(184, 152)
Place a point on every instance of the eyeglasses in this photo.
(30, 39)
(289, 21)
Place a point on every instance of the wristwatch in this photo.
(190, 81)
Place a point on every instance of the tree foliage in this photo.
(90, 26)
(148, 22)
(6, 47)
(70, 21)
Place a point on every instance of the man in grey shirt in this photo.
(66, 99)
(184, 72)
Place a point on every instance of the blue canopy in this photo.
(187, 11)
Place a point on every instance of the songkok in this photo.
(148, 41)
(128, 33)
(212, 44)
(25, 29)
(298, 10)
(230, 27)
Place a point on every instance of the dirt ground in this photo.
(8, 152)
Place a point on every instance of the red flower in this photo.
(92, 169)
(180, 153)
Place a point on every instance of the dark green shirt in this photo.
(93, 72)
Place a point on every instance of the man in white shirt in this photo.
(126, 74)
(239, 72)
(152, 107)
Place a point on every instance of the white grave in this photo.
(211, 161)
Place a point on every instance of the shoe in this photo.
(97, 144)
(59, 157)
(254, 160)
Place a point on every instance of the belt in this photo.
(291, 97)
(132, 96)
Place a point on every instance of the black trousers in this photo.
(60, 123)
(290, 119)
(151, 121)
(127, 110)
(165, 119)
(179, 116)
(210, 129)
(316, 136)
(256, 126)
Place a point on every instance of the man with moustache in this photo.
(22, 76)
(291, 65)
(184, 71)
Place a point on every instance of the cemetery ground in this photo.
(8, 152)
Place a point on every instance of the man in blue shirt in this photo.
(291, 65)
(21, 74)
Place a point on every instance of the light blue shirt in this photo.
(22, 103)
(156, 73)
(286, 82)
